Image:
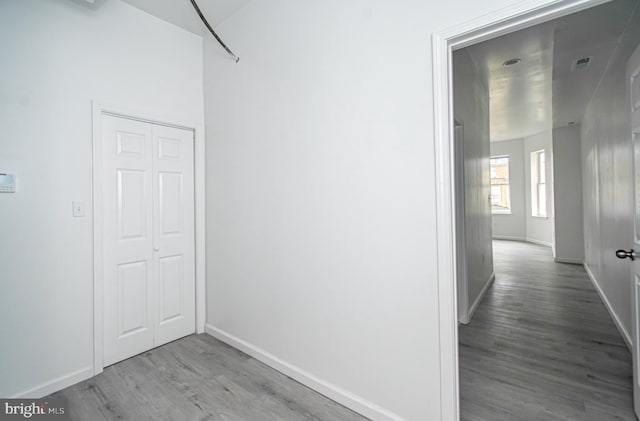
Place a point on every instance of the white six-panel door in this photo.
(148, 236)
(174, 240)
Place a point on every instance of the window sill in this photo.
(501, 213)
(540, 216)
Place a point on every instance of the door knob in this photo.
(623, 254)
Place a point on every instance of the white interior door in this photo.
(174, 239)
(127, 238)
(148, 236)
(633, 78)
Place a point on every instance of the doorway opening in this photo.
(537, 162)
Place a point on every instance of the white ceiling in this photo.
(539, 93)
(542, 92)
(181, 12)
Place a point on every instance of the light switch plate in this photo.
(78, 209)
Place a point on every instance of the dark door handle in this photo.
(623, 254)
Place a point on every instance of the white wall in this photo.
(321, 213)
(607, 181)
(567, 183)
(471, 108)
(56, 57)
(512, 226)
(564, 196)
(539, 229)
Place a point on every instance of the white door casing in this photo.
(148, 236)
(501, 22)
(633, 84)
(461, 259)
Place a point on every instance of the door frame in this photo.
(98, 110)
(509, 19)
(461, 235)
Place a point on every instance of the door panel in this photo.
(132, 213)
(168, 148)
(132, 307)
(171, 196)
(127, 248)
(130, 144)
(171, 288)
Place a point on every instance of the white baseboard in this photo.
(539, 242)
(525, 239)
(616, 320)
(57, 384)
(506, 237)
(568, 260)
(480, 296)
(356, 403)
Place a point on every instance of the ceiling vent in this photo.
(511, 62)
(580, 63)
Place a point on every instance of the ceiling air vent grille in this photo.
(580, 63)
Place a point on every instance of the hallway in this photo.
(542, 346)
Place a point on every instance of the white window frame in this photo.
(538, 181)
(508, 184)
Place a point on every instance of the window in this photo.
(538, 184)
(500, 197)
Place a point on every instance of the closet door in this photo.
(148, 236)
(128, 296)
(174, 239)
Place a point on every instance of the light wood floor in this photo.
(542, 346)
(197, 378)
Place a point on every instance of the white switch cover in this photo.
(78, 209)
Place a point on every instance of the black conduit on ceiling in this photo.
(204, 20)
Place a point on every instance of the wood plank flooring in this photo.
(197, 378)
(542, 346)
